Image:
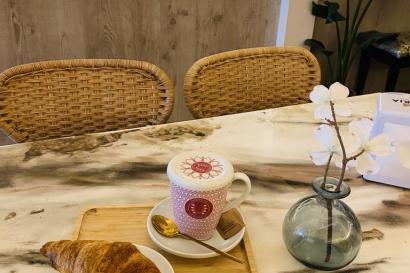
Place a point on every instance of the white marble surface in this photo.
(64, 176)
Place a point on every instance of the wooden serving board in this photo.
(128, 223)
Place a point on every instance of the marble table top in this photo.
(44, 185)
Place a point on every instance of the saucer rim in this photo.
(141, 248)
(210, 254)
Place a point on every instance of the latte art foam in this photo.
(201, 167)
(200, 171)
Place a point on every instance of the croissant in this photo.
(82, 256)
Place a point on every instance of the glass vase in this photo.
(321, 231)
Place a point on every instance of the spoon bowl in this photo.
(165, 226)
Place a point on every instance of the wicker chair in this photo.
(72, 97)
(250, 79)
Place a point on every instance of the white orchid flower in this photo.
(403, 149)
(324, 133)
(381, 145)
(322, 96)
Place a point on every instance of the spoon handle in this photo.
(211, 248)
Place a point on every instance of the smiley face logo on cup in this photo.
(198, 208)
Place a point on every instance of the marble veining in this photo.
(44, 185)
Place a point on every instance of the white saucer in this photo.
(163, 265)
(185, 248)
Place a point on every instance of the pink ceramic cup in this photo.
(199, 183)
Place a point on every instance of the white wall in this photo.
(296, 22)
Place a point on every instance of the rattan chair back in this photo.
(72, 97)
(250, 79)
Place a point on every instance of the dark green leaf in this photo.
(317, 45)
(333, 17)
(329, 11)
(333, 5)
(319, 10)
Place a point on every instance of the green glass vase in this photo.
(321, 231)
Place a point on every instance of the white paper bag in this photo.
(392, 118)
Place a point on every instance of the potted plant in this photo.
(346, 28)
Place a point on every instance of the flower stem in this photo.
(329, 230)
(345, 160)
(355, 156)
(347, 22)
(342, 146)
(323, 186)
(339, 55)
(329, 63)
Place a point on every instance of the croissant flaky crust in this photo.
(83, 256)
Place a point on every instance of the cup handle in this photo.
(236, 202)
